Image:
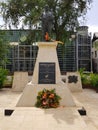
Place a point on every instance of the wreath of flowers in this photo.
(47, 99)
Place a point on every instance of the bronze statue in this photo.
(47, 23)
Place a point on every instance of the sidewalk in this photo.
(89, 99)
(60, 118)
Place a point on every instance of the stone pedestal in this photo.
(46, 75)
(73, 81)
(20, 81)
(75, 85)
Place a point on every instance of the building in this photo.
(83, 49)
(72, 56)
(95, 52)
(77, 53)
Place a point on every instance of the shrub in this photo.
(89, 80)
(85, 78)
(3, 75)
(94, 80)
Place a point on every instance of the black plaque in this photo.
(73, 79)
(46, 73)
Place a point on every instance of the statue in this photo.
(47, 23)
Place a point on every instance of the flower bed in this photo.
(47, 99)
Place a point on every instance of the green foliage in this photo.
(81, 71)
(94, 80)
(95, 44)
(89, 79)
(3, 75)
(47, 99)
(3, 48)
(28, 12)
(85, 78)
(3, 52)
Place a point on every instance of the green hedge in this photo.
(94, 80)
(3, 76)
(90, 79)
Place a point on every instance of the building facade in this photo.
(95, 52)
(72, 56)
(84, 49)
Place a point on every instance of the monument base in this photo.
(30, 93)
(46, 75)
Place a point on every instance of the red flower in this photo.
(44, 103)
(51, 95)
(44, 95)
(47, 38)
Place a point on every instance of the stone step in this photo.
(33, 118)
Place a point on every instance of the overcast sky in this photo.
(92, 17)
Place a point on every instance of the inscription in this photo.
(46, 73)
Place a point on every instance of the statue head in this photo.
(46, 7)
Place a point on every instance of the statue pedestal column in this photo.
(46, 75)
(47, 54)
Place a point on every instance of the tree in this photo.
(3, 48)
(3, 59)
(66, 13)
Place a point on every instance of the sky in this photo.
(91, 17)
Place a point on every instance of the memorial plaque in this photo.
(73, 79)
(46, 73)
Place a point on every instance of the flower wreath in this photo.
(47, 99)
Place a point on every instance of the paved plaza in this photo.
(31, 118)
